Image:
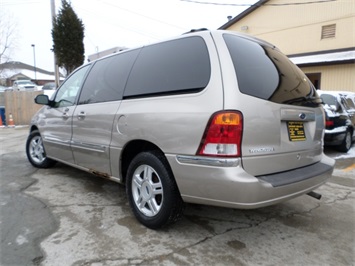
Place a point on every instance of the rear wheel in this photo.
(152, 191)
(346, 144)
(35, 151)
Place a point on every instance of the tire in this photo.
(152, 191)
(35, 151)
(346, 144)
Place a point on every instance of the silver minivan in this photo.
(208, 117)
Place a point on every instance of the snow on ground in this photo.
(349, 154)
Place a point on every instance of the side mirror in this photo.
(42, 99)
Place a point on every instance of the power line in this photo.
(256, 4)
(141, 15)
(120, 25)
(14, 3)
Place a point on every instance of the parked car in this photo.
(340, 119)
(350, 98)
(24, 85)
(208, 117)
(49, 89)
(49, 86)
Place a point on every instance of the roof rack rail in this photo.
(196, 30)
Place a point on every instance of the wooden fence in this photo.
(21, 105)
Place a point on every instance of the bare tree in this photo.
(8, 36)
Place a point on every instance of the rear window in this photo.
(178, 66)
(264, 72)
(329, 99)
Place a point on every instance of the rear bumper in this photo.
(231, 186)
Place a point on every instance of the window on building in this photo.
(315, 79)
(328, 31)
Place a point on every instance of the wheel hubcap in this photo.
(36, 150)
(147, 190)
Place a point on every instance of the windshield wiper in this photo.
(305, 100)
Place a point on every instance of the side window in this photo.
(107, 78)
(68, 92)
(177, 66)
(350, 103)
(347, 103)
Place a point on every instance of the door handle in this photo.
(81, 115)
(65, 114)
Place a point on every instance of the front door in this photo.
(56, 128)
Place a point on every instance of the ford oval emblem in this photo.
(302, 116)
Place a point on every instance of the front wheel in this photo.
(35, 151)
(346, 144)
(152, 191)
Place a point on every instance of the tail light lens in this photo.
(223, 135)
(329, 123)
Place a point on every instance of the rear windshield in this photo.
(329, 99)
(264, 72)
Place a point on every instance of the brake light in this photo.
(223, 135)
(329, 123)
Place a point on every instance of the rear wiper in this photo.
(306, 100)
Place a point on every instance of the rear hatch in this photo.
(283, 122)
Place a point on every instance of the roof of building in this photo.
(243, 14)
(12, 65)
(14, 68)
(30, 74)
(336, 56)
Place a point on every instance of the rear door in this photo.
(283, 123)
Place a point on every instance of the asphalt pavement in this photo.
(63, 216)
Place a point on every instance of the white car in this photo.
(24, 85)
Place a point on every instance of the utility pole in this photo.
(34, 60)
(56, 69)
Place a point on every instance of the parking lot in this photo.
(63, 216)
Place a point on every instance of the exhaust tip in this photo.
(314, 195)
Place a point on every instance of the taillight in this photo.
(223, 135)
(329, 123)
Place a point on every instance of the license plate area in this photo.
(296, 131)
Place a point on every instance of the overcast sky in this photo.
(112, 23)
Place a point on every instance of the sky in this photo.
(112, 23)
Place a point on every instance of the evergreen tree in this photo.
(68, 36)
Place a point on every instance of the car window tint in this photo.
(181, 65)
(68, 92)
(107, 78)
(329, 99)
(264, 72)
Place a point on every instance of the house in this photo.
(318, 36)
(11, 71)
